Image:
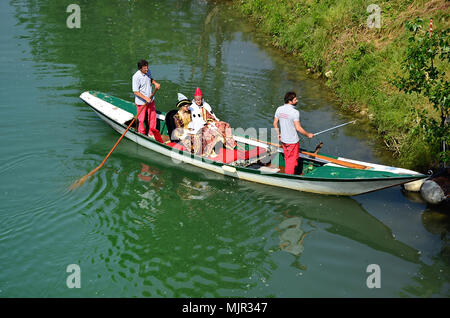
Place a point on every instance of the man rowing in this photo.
(289, 119)
(142, 89)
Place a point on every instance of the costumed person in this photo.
(289, 119)
(199, 142)
(202, 105)
(209, 118)
(197, 121)
(142, 88)
(182, 132)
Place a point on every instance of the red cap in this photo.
(198, 92)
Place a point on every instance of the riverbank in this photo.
(357, 59)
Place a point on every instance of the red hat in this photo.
(198, 92)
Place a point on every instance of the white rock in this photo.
(414, 186)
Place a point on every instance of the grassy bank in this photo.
(334, 40)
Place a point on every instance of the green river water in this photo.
(145, 227)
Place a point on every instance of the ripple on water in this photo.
(152, 257)
(16, 161)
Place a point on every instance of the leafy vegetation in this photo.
(425, 75)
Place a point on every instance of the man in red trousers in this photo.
(142, 88)
(289, 119)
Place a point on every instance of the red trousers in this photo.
(151, 111)
(290, 157)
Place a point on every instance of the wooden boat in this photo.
(255, 160)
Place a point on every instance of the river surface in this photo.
(143, 226)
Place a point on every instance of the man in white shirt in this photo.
(289, 119)
(142, 88)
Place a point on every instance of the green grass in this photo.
(333, 35)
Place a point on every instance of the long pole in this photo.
(321, 132)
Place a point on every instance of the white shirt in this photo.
(286, 115)
(141, 83)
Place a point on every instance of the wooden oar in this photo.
(336, 161)
(82, 180)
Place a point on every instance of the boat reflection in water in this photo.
(345, 217)
(292, 238)
(292, 235)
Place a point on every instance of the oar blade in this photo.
(79, 183)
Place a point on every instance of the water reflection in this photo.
(186, 190)
(414, 197)
(433, 279)
(148, 173)
(292, 238)
(349, 219)
(292, 235)
(345, 216)
(438, 223)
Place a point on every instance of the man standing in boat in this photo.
(289, 119)
(142, 88)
